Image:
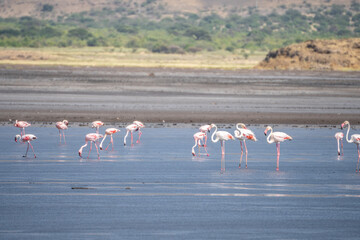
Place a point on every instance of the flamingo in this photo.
(205, 129)
(242, 133)
(276, 137)
(355, 138)
(339, 137)
(22, 125)
(97, 125)
(26, 138)
(92, 137)
(109, 131)
(62, 126)
(197, 137)
(135, 126)
(222, 136)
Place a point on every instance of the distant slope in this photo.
(315, 55)
(35, 8)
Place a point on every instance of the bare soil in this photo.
(315, 55)
(85, 94)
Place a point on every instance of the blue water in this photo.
(157, 190)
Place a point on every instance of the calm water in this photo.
(157, 190)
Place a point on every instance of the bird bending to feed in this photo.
(62, 126)
(355, 138)
(135, 126)
(22, 125)
(222, 136)
(97, 125)
(197, 137)
(109, 131)
(339, 138)
(26, 138)
(205, 129)
(243, 134)
(276, 137)
(92, 137)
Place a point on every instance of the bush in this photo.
(47, 8)
(80, 33)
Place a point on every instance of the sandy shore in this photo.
(178, 95)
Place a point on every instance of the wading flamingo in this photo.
(205, 129)
(242, 133)
(355, 138)
(339, 138)
(222, 136)
(276, 137)
(97, 125)
(62, 126)
(109, 131)
(197, 137)
(92, 137)
(135, 126)
(22, 125)
(26, 138)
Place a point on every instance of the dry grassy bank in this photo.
(113, 57)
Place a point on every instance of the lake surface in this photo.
(157, 190)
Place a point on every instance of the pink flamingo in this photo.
(109, 131)
(242, 133)
(22, 125)
(197, 137)
(222, 136)
(62, 126)
(339, 137)
(205, 129)
(355, 138)
(97, 125)
(276, 137)
(92, 137)
(135, 126)
(26, 138)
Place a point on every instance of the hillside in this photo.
(315, 55)
(35, 8)
(166, 26)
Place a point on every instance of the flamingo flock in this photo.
(241, 133)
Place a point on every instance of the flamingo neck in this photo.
(268, 138)
(347, 134)
(212, 136)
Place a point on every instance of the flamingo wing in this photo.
(280, 136)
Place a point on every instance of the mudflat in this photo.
(83, 94)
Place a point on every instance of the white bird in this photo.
(26, 138)
(276, 137)
(135, 126)
(355, 138)
(339, 138)
(109, 131)
(221, 136)
(243, 134)
(197, 137)
(205, 129)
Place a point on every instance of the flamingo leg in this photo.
(357, 166)
(246, 154)
(27, 150)
(64, 136)
(222, 147)
(222, 163)
(138, 141)
(97, 150)
(31, 148)
(205, 140)
(278, 156)
(60, 135)
(90, 149)
(241, 153)
(342, 148)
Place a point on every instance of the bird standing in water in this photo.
(92, 137)
(22, 125)
(276, 137)
(355, 138)
(109, 131)
(221, 136)
(339, 138)
(62, 126)
(243, 134)
(26, 138)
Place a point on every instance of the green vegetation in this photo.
(144, 27)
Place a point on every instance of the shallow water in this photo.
(157, 190)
